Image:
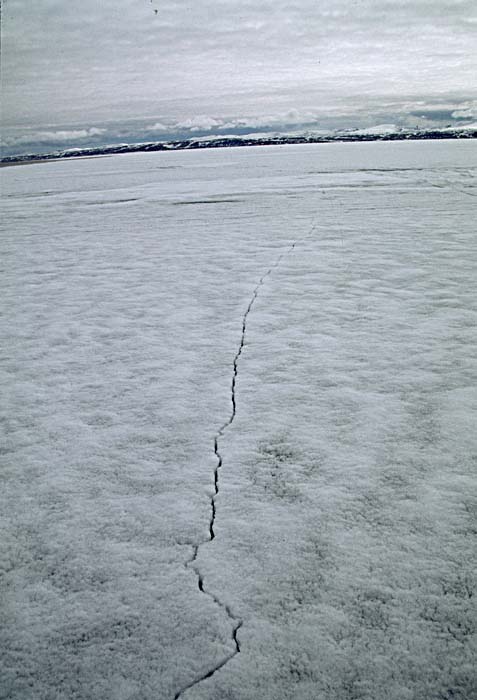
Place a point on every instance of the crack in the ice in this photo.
(452, 186)
(191, 563)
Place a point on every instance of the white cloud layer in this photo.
(61, 136)
(207, 123)
(467, 110)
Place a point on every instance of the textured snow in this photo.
(345, 523)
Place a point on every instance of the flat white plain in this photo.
(346, 509)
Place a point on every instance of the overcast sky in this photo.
(84, 70)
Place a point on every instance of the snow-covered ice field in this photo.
(343, 559)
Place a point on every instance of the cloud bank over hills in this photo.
(18, 141)
(222, 66)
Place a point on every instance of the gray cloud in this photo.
(71, 64)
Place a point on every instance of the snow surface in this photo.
(345, 518)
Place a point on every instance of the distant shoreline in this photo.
(4, 163)
(236, 142)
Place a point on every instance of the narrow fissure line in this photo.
(237, 622)
(453, 187)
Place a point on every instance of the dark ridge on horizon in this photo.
(238, 141)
